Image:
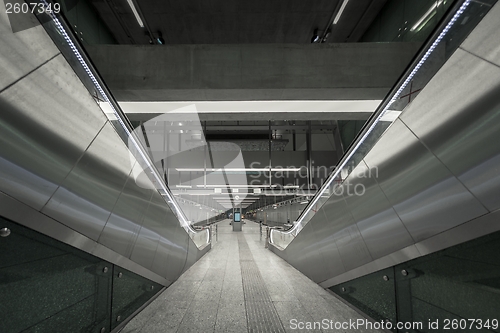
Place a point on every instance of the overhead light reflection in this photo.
(427, 16)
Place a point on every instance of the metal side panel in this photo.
(204, 250)
(282, 254)
(343, 230)
(380, 226)
(167, 225)
(172, 249)
(327, 248)
(48, 119)
(192, 255)
(85, 199)
(484, 41)
(23, 51)
(303, 254)
(122, 228)
(145, 247)
(161, 265)
(146, 243)
(424, 194)
(177, 253)
(461, 126)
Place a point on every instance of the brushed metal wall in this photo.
(437, 170)
(65, 166)
(280, 214)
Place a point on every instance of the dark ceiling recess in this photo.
(237, 22)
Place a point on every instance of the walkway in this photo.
(239, 286)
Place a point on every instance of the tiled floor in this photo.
(239, 286)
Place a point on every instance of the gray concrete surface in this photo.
(239, 286)
(356, 71)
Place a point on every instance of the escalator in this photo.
(419, 185)
(85, 243)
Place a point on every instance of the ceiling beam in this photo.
(352, 71)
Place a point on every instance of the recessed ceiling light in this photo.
(236, 169)
(136, 14)
(341, 10)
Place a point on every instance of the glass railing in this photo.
(460, 20)
(69, 45)
(454, 290)
(48, 286)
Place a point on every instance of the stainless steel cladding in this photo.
(430, 182)
(40, 148)
(65, 172)
(279, 215)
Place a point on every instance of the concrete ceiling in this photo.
(252, 72)
(236, 22)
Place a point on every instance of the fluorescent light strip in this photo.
(334, 175)
(286, 187)
(183, 186)
(225, 198)
(248, 200)
(237, 186)
(235, 202)
(139, 148)
(427, 14)
(136, 14)
(236, 169)
(245, 199)
(278, 194)
(193, 194)
(228, 198)
(258, 107)
(341, 10)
